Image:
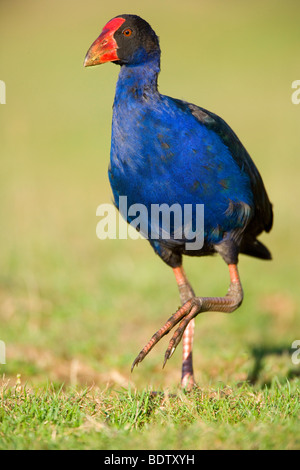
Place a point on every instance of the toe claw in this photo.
(137, 360)
(168, 354)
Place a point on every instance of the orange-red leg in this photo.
(191, 308)
(186, 292)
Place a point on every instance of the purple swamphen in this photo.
(168, 151)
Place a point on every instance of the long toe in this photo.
(171, 322)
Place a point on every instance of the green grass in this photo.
(74, 310)
(108, 420)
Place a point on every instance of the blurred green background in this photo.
(77, 310)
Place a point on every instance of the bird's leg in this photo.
(186, 293)
(227, 304)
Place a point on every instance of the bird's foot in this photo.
(227, 304)
(188, 381)
(183, 315)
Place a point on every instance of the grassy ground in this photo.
(110, 420)
(74, 310)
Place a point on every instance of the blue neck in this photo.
(138, 81)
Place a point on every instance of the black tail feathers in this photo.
(256, 249)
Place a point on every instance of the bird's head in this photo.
(124, 40)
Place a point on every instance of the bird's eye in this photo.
(127, 32)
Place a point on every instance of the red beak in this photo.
(104, 49)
